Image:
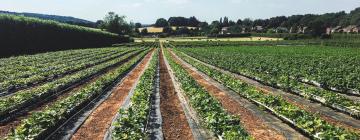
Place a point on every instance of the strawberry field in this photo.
(182, 90)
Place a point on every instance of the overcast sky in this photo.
(147, 11)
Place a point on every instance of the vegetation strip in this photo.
(56, 71)
(23, 72)
(308, 123)
(43, 58)
(256, 128)
(285, 62)
(27, 65)
(285, 82)
(39, 123)
(99, 121)
(328, 114)
(15, 103)
(214, 116)
(132, 121)
(75, 122)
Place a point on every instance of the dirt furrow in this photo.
(100, 119)
(175, 125)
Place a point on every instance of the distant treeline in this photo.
(24, 35)
(63, 19)
(312, 24)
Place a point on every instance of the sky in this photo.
(147, 11)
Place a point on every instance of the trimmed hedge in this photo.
(25, 35)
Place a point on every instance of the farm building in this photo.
(351, 29)
(224, 30)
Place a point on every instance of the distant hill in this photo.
(64, 19)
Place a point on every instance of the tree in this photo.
(259, 22)
(137, 30)
(144, 31)
(100, 24)
(276, 21)
(293, 21)
(239, 22)
(225, 22)
(236, 29)
(231, 23)
(247, 22)
(215, 27)
(116, 24)
(317, 27)
(204, 28)
(183, 30)
(161, 22)
(306, 19)
(138, 25)
(167, 29)
(178, 21)
(193, 22)
(354, 17)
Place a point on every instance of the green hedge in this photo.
(25, 35)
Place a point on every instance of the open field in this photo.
(190, 39)
(182, 90)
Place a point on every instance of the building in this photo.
(224, 30)
(303, 30)
(351, 29)
(336, 29)
(152, 29)
(258, 28)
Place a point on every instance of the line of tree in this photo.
(115, 24)
(315, 24)
(177, 21)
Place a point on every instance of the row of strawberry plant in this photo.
(56, 70)
(47, 58)
(254, 66)
(132, 121)
(23, 68)
(39, 122)
(309, 123)
(26, 97)
(14, 65)
(27, 60)
(333, 68)
(212, 113)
